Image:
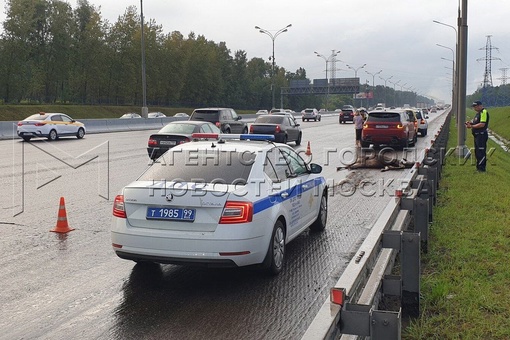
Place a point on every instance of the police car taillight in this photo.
(237, 212)
(118, 207)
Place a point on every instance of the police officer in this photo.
(479, 125)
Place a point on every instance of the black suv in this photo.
(225, 118)
(347, 114)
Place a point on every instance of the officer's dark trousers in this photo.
(481, 150)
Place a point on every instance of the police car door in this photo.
(307, 197)
(283, 190)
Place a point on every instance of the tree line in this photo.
(51, 53)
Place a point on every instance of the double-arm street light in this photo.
(330, 59)
(453, 71)
(373, 81)
(356, 69)
(395, 83)
(456, 55)
(273, 37)
(385, 81)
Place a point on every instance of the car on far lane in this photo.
(310, 114)
(130, 115)
(262, 112)
(346, 114)
(224, 118)
(50, 125)
(156, 115)
(175, 133)
(282, 126)
(423, 124)
(181, 115)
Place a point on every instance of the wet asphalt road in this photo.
(61, 286)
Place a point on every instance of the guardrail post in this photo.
(421, 213)
(409, 245)
(385, 325)
(410, 260)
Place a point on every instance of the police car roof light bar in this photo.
(227, 136)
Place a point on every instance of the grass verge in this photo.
(466, 276)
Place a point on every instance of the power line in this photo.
(487, 77)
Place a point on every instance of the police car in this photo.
(227, 201)
(50, 125)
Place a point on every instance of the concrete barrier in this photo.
(8, 128)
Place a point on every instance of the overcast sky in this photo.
(398, 37)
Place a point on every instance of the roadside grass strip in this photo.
(466, 273)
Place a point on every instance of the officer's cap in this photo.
(476, 103)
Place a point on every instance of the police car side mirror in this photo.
(315, 168)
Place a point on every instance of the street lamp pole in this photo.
(355, 69)
(402, 93)
(373, 82)
(395, 91)
(385, 81)
(456, 56)
(145, 110)
(273, 37)
(329, 59)
(453, 72)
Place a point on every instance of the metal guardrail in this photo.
(402, 229)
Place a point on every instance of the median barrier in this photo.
(95, 125)
(8, 130)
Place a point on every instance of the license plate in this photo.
(167, 142)
(175, 214)
(381, 126)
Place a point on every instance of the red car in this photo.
(391, 128)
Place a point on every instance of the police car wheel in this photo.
(320, 223)
(273, 263)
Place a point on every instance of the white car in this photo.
(262, 112)
(50, 125)
(230, 202)
(156, 115)
(130, 115)
(423, 124)
(308, 114)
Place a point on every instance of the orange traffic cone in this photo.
(308, 151)
(62, 226)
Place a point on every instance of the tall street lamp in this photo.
(402, 93)
(273, 37)
(453, 71)
(329, 59)
(385, 81)
(395, 91)
(145, 110)
(355, 69)
(456, 57)
(373, 81)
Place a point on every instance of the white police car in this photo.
(223, 202)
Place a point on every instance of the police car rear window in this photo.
(203, 166)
